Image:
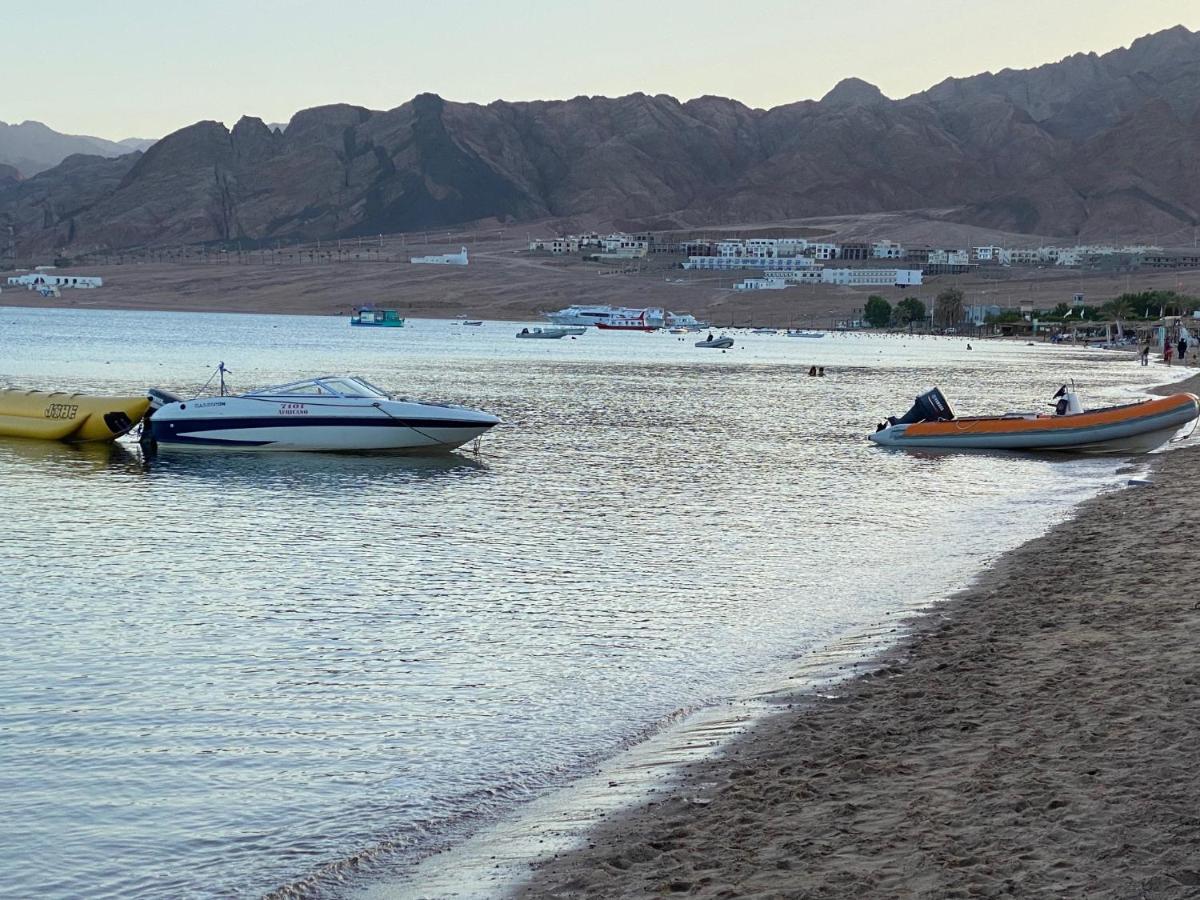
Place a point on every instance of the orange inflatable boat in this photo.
(1132, 428)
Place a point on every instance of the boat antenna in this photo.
(220, 370)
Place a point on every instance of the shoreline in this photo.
(505, 282)
(497, 860)
(442, 314)
(1033, 733)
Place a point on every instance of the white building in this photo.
(790, 246)
(442, 259)
(622, 246)
(762, 284)
(42, 279)
(769, 248)
(811, 275)
(871, 277)
(949, 258)
(727, 263)
(762, 247)
(978, 315)
(823, 251)
(989, 254)
(558, 245)
(887, 250)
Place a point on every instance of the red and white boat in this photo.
(628, 323)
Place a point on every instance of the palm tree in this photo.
(1120, 308)
(948, 307)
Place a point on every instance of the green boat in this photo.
(385, 318)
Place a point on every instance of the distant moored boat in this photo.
(368, 315)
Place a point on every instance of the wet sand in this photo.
(1037, 735)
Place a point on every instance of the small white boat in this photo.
(475, 323)
(574, 329)
(764, 331)
(545, 333)
(721, 343)
(801, 333)
(329, 413)
(684, 320)
(680, 330)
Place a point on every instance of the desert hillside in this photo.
(1092, 147)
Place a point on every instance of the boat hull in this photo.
(719, 344)
(552, 334)
(56, 416)
(1135, 428)
(268, 425)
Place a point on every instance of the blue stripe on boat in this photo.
(171, 427)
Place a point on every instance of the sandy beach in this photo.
(1036, 735)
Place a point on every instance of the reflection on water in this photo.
(322, 471)
(23, 456)
(225, 672)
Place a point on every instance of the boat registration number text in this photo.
(61, 411)
(293, 409)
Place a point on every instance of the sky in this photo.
(144, 68)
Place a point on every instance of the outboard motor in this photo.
(1068, 402)
(158, 399)
(930, 406)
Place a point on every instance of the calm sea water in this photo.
(225, 673)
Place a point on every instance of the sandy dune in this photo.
(1037, 736)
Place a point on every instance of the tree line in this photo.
(949, 309)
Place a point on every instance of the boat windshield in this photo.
(327, 386)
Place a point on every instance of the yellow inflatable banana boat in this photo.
(68, 417)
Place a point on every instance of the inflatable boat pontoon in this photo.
(59, 416)
(1132, 428)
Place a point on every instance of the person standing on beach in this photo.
(1182, 348)
(1167, 351)
(1146, 355)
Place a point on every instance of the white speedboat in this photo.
(801, 333)
(684, 320)
(334, 412)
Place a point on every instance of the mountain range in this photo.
(1091, 147)
(32, 147)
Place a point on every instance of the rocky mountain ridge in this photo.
(32, 147)
(1091, 147)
